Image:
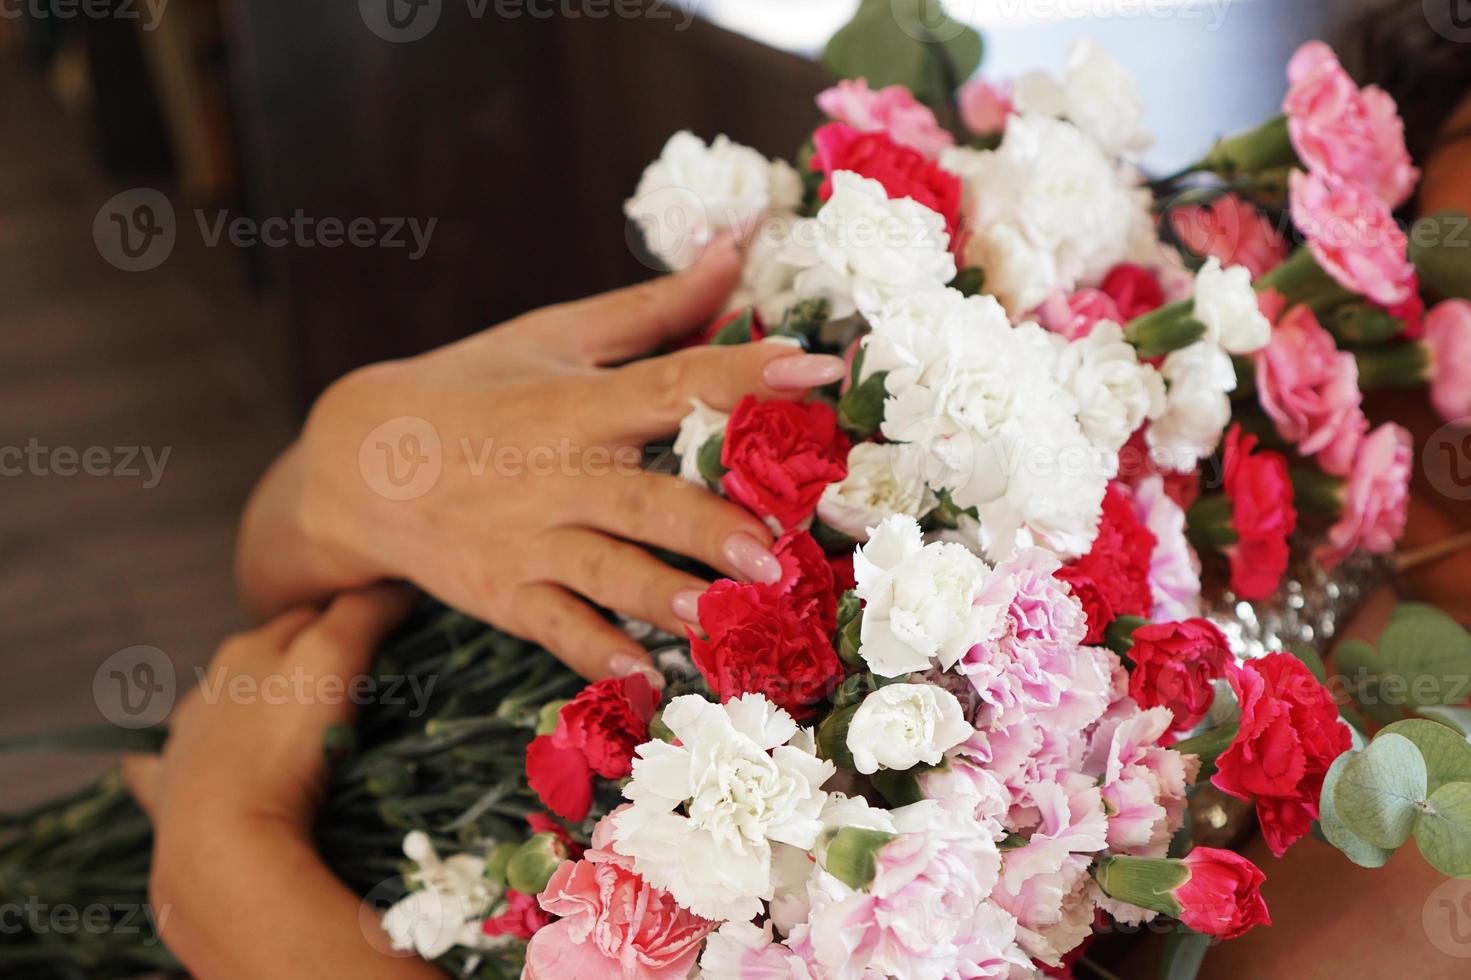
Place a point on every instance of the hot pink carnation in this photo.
(985, 106)
(613, 924)
(1376, 498)
(1353, 236)
(1448, 336)
(1339, 129)
(1231, 230)
(1310, 389)
(893, 110)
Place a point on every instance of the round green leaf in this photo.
(1432, 653)
(1447, 754)
(1358, 850)
(1380, 791)
(1443, 830)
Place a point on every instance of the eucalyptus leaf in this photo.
(1355, 848)
(1443, 831)
(1454, 717)
(905, 42)
(1363, 670)
(1380, 791)
(1432, 653)
(1447, 754)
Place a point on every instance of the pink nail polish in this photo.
(747, 556)
(686, 604)
(626, 665)
(803, 371)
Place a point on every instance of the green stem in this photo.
(1394, 366)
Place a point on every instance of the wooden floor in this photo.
(93, 356)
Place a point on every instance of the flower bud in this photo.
(852, 855)
(1266, 147)
(1169, 328)
(531, 867)
(1214, 892)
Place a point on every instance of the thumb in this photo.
(344, 639)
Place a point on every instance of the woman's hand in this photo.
(238, 888)
(502, 473)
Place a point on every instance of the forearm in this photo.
(283, 915)
(284, 557)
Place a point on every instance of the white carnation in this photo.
(694, 191)
(1096, 94)
(1227, 305)
(446, 907)
(1047, 209)
(920, 601)
(697, 428)
(767, 281)
(900, 726)
(1115, 393)
(1198, 406)
(863, 248)
(883, 479)
(707, 811)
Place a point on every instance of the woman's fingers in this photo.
(618, 576)
(620, 325)
(345, 637)
(645, 400)
(666, 512)
(580, 638)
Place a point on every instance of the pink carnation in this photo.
(1448, 336)
(1310, 389)
(613, 924)
(1339, 129)
(1231, 230)
(1353, 237)
(1144, 783)
(1174, 567)
(985, 106)
(1074, 316)
(1376, 498)
(893, 110)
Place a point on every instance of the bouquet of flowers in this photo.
(963, 733)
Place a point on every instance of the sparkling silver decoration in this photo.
(1308, 608)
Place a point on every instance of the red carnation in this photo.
(1223, 896)
(1134, 290)
(807, 578)
(1289, 736)
(607, 721)
(902, 171)
(522, 918)
(781, 456)
(708, 335)
(1262, 515)
(596, 733)
(1174, 664)
(560, 777)
(757, 640)
(1096, 606)
(1118, 563)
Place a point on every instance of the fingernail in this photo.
(747, 556)
(686, 604)
(804, 371)
(626, 665)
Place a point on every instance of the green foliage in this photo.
(1355, 848)
(1443, 830)
(1379, 789)
(1440, 248)
(804, 319)
(1423, 661)
(969, 280)
(852, 855)
(1183, 955)
(708, 460)
(906, 42)
(861, 409)
(738, 331)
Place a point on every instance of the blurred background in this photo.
(209, 209)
